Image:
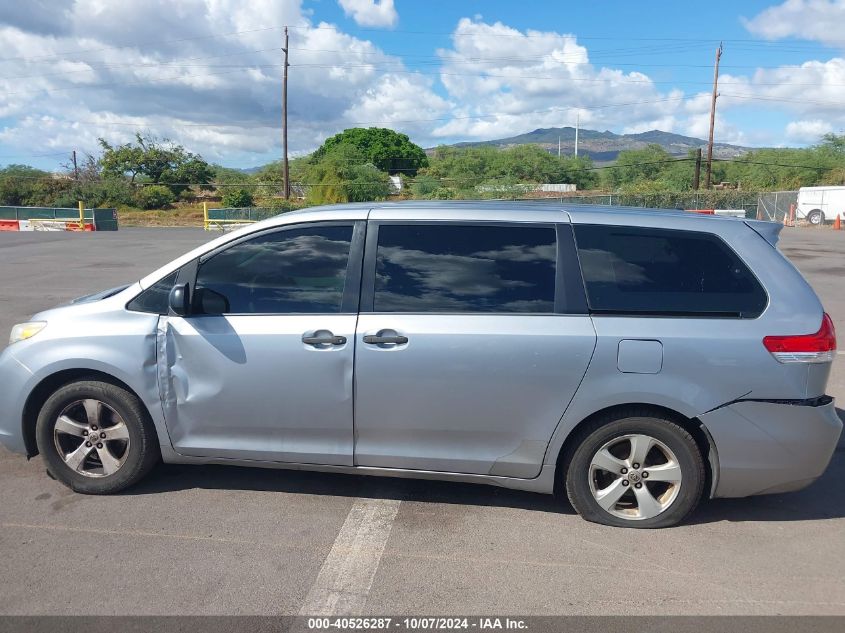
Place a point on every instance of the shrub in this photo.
(236, 198)
(425, 185)
(153, 197)
(443, 193)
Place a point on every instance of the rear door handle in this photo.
(381, 340)
(323, 338)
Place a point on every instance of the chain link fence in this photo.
(776, 205)
(230, 219)
(747, 201)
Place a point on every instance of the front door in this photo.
(471, 342)
(262, 367)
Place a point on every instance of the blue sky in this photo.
(206, 73)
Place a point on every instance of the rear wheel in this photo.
(635, 470)
(815, 217)
(95, 437)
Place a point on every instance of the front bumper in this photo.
(15, 381)
(771, 447)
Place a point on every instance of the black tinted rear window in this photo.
(465, 268)
(661, 271)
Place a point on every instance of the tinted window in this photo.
(155, 299)
(298, 270)
(465, 268)
(630, 269)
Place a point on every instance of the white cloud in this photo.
(508, 81)
(812, 92)
(379, 13)
(807, 132)
(802, 19)
(206, 74)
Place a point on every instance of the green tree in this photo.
(28, 186)
(388, 150)
(465, 168)
(343, 175)
(157, 161)
(637, 165)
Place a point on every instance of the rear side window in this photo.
(300, 270)
(465, 268)
(665, 272)
(155, 299)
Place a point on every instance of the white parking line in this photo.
(347, 573)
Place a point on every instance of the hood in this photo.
(98, 296)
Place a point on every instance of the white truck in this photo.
(817, 204)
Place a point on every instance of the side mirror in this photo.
(179, 300)
(208, 301)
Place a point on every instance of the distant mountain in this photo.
(605, 146)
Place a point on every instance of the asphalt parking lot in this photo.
(218, 540)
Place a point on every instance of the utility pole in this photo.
(697, 177)
(712, 117)
(75, 167)
(285, 119)
(577, 125)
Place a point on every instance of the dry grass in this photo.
(180, 216)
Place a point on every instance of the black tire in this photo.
(605, 429)
(141, 453)
(815, 217)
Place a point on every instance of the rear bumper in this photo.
(771, 447)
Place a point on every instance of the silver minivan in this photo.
(635, 361)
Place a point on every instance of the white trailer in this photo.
(818, 204)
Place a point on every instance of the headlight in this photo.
(23, 331)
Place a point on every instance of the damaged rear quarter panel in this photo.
(771, 446)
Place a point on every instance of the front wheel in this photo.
(816, 217)
(96, 437)
(635, 470)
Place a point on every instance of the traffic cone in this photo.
(837, 223)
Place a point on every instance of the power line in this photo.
(136, 44)
(481, 75)
(685, 41)
(393, 121)
(174, 64)
(833, 104)
(615, 38)
(65, 153)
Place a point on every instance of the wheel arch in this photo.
(693, 426)
(48, 385)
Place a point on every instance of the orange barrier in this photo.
(45, 225)
(703, 211)
(837, 223)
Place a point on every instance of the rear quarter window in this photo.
(636, 270)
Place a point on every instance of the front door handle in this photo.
(323, 337)
(381, 340)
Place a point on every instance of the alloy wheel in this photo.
(635, 477)
(91, 438)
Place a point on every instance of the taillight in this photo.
(805, 348)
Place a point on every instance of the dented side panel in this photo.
(247, 387)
